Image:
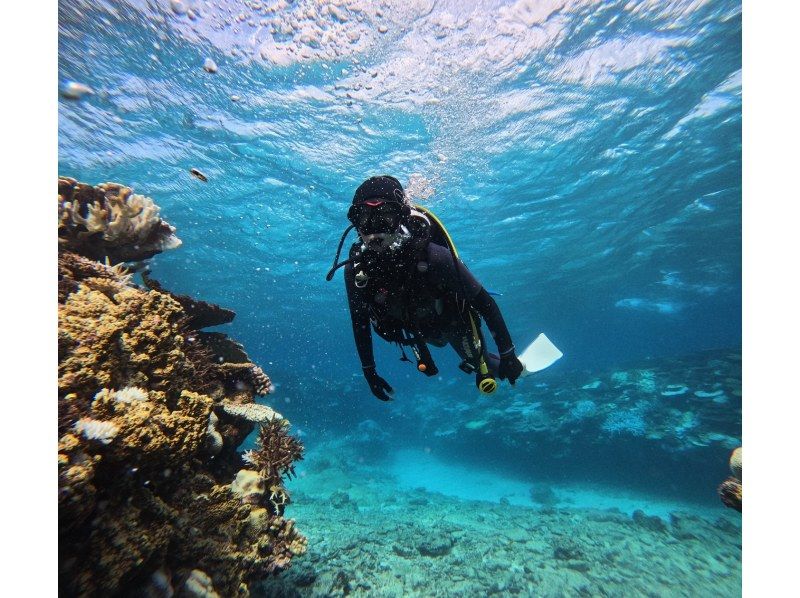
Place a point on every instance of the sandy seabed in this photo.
(377, 536)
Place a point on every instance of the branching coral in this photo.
(74, 269)
(246, 373)
(273, 458)
(109, 221)
(277, 451)
(627, 422)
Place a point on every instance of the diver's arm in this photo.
(510, 366)
(490, 312)
(359, 317)
(362, 333)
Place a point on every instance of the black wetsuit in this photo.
(423, 295)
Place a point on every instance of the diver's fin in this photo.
(539, 355)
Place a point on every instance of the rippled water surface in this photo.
(585, 156)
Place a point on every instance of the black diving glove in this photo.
(377, 385)
(510, 366)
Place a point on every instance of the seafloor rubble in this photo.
(435, 545)
(154, 497)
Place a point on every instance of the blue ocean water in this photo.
(585, 157)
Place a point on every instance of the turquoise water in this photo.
(586, 159)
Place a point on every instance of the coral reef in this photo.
(110, 222)
(257, 414)
(730, 491)
(147, 453)
(735, 463)
(431, 544)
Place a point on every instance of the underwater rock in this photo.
(143, 503)
(110, 222)
(543, 494)
(652, 523)
(341, 500)
(683, 526)
(439, 544)
(567, 549)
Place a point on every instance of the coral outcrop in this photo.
(147, 454)
(730, 491)
(110, 222)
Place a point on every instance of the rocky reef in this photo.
(151, 413)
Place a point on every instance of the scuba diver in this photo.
(404, 278)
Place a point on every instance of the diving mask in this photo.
(375, 217)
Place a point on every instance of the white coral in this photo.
(252, 412)
(93, 429)
(249, 457)
(214, 440)
(130, 394)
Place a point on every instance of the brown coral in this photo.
(730, 491)
(201, 314)
(150, 430)
(132, 338)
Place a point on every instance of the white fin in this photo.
(540, 354)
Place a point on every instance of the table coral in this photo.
(110, 222)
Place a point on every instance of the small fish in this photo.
(198, 175)
(72, 90)
(210, 66)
